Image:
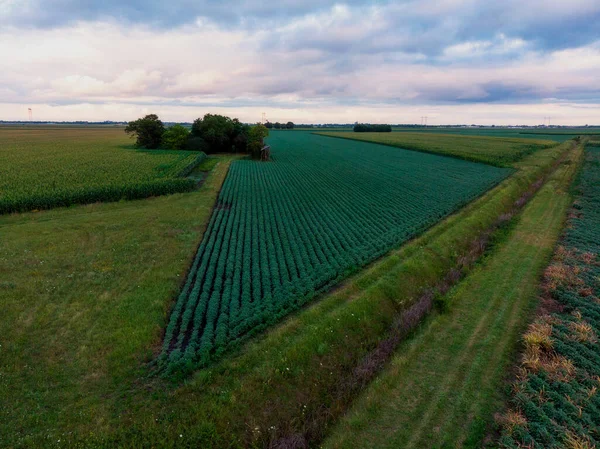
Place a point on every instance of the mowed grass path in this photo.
(444, 384)
(499, 151)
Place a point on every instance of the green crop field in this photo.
(491, 150)
(46, 167)
(556, 134)
(555, 402)
(283, 231)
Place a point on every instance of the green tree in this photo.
(175, 137)
(239, 136)
(216, 130)
(289, 125)
(277, 125)
(256, 137)
(148, 131)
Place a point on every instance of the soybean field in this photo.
(46, 167)
(283, 231)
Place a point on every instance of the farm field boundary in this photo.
(444, 384)
(497, 151)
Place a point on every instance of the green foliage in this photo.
(282, 232)
(256, 137)
(47, 168)
(148, 131)
(558, 399)
(194, 143)
(175, 137)
(221, 134)
(289, 125)
(495, 151)
(239, 137)
(368, 128)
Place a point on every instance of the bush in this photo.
(175, 137)
(147, 130)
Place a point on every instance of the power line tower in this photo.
(264, 118)
(30, 114)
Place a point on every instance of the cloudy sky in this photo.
(310, 61)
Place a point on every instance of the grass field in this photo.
(46, 167)
(555, 402)
(444, 385)
(283, 231)
(490, 150)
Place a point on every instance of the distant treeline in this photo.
(368, 128)
(277, 125)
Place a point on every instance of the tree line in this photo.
(368, 128)
(277, 125)
(212, 133)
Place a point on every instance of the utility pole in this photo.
(30, 113)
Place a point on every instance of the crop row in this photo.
(283, 231)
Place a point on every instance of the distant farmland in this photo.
(46, 167)
(491, 150)
(283, 231)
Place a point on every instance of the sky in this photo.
(454, 61)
